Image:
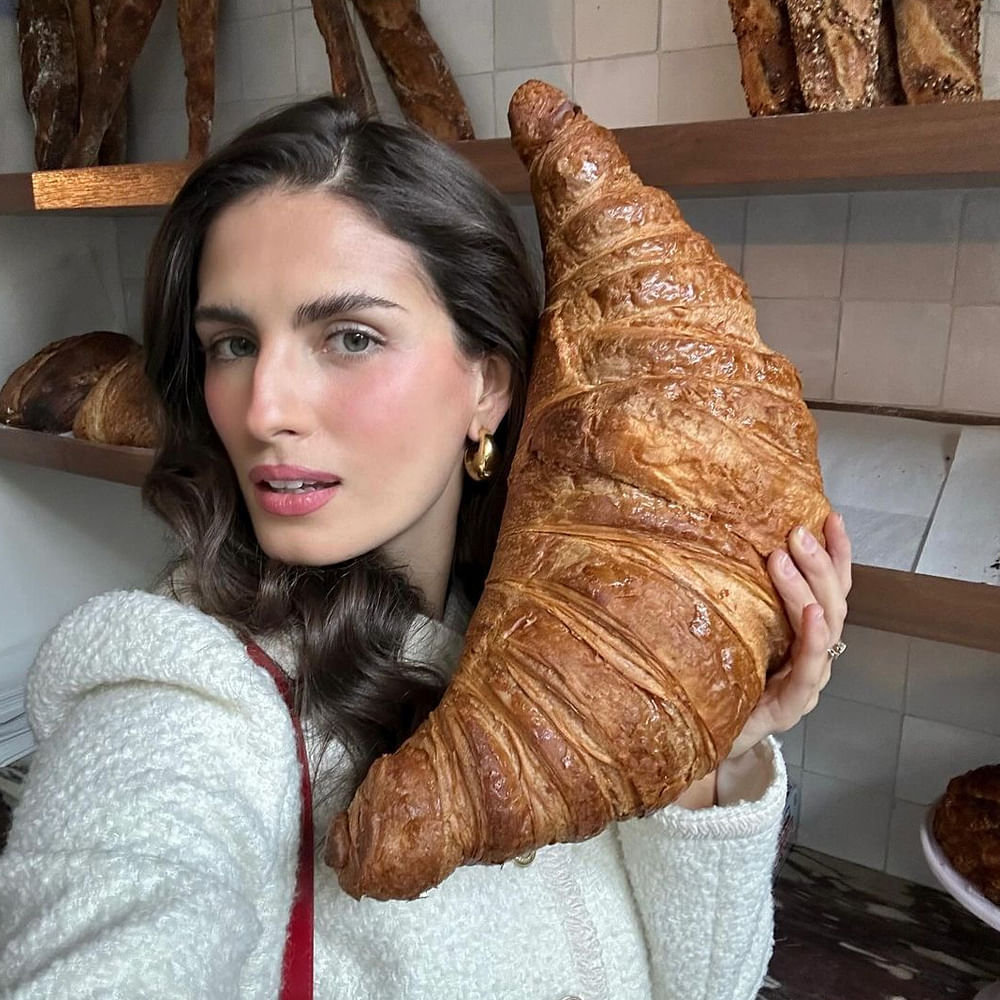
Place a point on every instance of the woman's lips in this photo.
(293, 504)
(268, 481)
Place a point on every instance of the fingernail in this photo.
(785, 563)
(806, 539)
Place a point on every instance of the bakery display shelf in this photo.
(129, 186)
(930, 607)
(931, 145)
(69, 454)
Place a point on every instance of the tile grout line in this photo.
(840, 297)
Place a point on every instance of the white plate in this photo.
(958, 886)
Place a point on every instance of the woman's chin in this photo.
(290, 553)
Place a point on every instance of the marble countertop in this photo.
(844, 932)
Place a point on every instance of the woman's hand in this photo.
(814, 583)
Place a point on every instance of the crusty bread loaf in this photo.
(415, 67)
(122, 407)
(118, 41)
(12, 393)
(628, 621)
(45, 392)
(888, 85)
(836, 51)
(49, 76)
(348, 73)
(767, 56)
(938, 44)
(197, 22)
(967, 826)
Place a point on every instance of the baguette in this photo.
(415, 67)
(938, 44)
(836, 50)
(767, 56)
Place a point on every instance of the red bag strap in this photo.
(297, 967)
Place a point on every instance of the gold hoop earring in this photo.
(481, 461)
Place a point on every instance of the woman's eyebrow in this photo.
(309, 312)
(222, 314)
(337, 303)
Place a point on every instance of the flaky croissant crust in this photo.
(628, 620)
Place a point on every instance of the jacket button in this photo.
(524, 860)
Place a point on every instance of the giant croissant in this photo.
(628, 621)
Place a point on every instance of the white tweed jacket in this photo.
(153, 853)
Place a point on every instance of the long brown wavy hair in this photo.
(350, 619)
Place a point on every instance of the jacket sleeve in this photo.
(153, 851)
(702, 882)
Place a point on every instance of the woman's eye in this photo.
(230, 348)
(354, 341)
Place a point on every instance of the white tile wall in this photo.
(906, 856)
(480, 98)
(853, 741)
(795, 246)
(464, 31)
(893, 352)
(955, 685)
(902, 245)
(873, 669)
(267, 51)
(613, 29)
(931, 753)
(312, 67)
(17, 148)
(920, 273)
(622, 92)
(844, 819)
(679, 30)
(532, 32)
(972, 378)
(701, 85)
(977, 278)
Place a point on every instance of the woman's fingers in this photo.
(794, 690)
(807, 573)
(811, 668)
(838, 545)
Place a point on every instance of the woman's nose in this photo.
(277, 401)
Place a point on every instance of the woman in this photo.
(335, 310)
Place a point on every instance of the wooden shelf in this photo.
(108, 189)
(931, 607)
(932, 145)
(69, 454)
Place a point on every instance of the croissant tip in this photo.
(338, 841)
(537, 112)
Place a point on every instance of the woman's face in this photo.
(334, 381)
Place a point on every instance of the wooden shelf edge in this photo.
(67, 454)
(931, 145)
(928, 607)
